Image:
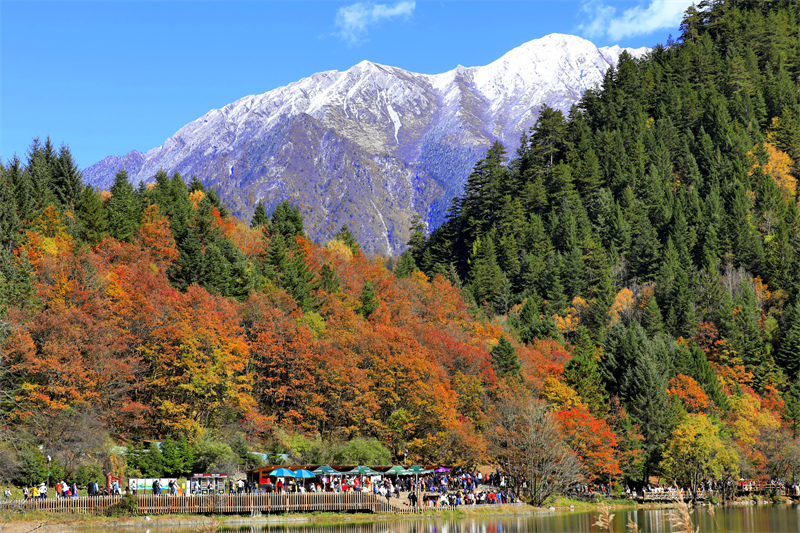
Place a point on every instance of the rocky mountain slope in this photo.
(372, 146)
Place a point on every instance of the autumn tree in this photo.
(528, 438)
(593, 442)
(695, 451)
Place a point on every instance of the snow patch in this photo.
(395, 120)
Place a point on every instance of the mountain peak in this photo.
(373, 146)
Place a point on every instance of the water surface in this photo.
(731, 519)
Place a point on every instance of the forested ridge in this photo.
(626, 284)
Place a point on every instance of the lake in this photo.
(731, 519)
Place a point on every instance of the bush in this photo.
(305, 450)
(127, 505)
(363, 452)
(88, 473)
(210, 455)
(33, 467)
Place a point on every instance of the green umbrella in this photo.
(326, 470)
(397, 470)
(363, 471)
(417, 470)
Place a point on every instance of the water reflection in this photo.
(739, 519)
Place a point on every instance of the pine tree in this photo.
(173, 462)
(583, 374)
(92, 217)
(67, 180)
(488, 283)
(329, 281)
(123, 209)
(405, 265)
(788, 356)
(260, 218)
(287, 221)
(10, 226)
(647, 402)
(369, 300)
(417, 243)
(346, 236)
(531, 325)
(504, 359)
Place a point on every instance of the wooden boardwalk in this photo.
(743, 490)
(253, 504)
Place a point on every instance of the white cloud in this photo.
(354, 21)
(606, 21)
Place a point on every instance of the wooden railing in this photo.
(221, 503)
(763, 488)
(253, 504)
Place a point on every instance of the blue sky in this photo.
(106, 77)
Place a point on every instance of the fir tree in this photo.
(123, 209)
(369, 300)
(10, 226)
(583, 374)
(346, 236)
(260, 218)
(405, 265)
(504, 359)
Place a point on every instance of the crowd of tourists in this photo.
(431, 490)
(428, 490)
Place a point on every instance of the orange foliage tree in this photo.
(593, 441)
(690, 393)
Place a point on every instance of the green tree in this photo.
(92, 216)
(67, 180)
(583, 374)
(260, 218)
(287, 220)
(504, 358)
(346, 236)
(405, 265)
(123, 209)
(369, 300)
(10, 225)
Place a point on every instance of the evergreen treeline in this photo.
(663, 207)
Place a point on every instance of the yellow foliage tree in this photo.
(623, 304)
(779, 166)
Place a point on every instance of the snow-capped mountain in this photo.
(372, 146)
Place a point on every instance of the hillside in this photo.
(620, 298)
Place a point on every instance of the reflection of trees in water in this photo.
(420, 525)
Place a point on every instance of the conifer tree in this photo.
(9, 221)
(92, 216)
(504, 358)
(405, 265)
(583, 374)
(487, 281)
(347, 237)
(67, 179)
(369, 300)
(260, 218)
(329, 281)
(123, 209)
(287, 221)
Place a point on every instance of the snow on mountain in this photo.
(372, 146)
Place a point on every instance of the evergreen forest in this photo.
(632, 271)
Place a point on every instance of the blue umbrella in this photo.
(304, 474)
(282, 472)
